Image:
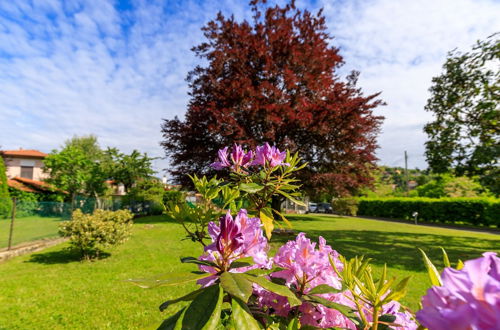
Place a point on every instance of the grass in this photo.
(28, 229)
(52, 289)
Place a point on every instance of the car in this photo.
(312, 208)
(324, 208)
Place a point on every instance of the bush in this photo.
(5, 201)
(90, 232)
(475, 211)
(345, 206)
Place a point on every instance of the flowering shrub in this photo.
(306, 285)
(466, 298)
(90, 232)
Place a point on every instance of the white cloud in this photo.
(399, 46)
(81, 67)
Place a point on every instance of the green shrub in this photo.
(89, 233)
(5, 200)
(174, 196)
(475, 211)
(345, 206)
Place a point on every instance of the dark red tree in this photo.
(275, 80)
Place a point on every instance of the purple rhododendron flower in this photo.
(236, 160)
(267, 155)
(223, 160)
(468, 298)
(305, 267)
(234, 239)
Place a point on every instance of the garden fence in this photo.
(23, 221)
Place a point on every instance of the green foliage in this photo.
(5, 201)
(464, 136)
(127, 169)
(26, 202)
(88, 233)
(174, 196)
(149, 192)
(475, 211)
(447, 185)
(345, 206)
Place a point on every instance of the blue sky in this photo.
(115, 69)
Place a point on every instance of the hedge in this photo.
(475, 211)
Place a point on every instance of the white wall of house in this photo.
(24, 166)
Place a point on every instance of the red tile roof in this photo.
(25, 153)
(19, 186)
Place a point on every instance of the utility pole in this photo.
(406, 172)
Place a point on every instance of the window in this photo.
(27, 172)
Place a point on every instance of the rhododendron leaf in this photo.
(291, 198)
(387, 318)
(431, 270)
(168, 279)
(446, 260)
(262, 272)
(241, 316)
(169, 324)
(399, 291)
(345, 310)
(238, 264)
(294, 324)
(192, 260)
(190, 296)
(285, 220)
(251, 187)
(204, 311)
(267, 221)
(237, 285)
(276, 288)
(323, 288)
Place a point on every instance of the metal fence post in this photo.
(12, 222)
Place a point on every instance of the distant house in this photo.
(24, 169)
(27, 164)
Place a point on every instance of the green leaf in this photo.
(251, 187)
(193, 260)
(323, 288)
(241, 316)
(167, 279)
(296, 201)
(431, 270)
(169, 324)
(204, 311)
(190, 296)
(294, 324)
(276, 288)
(236, 285)
(446, 260)
(345, 310)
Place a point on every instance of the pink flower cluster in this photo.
(468, 298)
(265, 155)
(234, 239)
(304, 268)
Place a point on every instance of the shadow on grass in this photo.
(399, 250)
(62, 256)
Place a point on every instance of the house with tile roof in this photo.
(24, 169)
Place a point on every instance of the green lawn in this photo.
(28, 229)
(52, 289)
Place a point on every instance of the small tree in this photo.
(5, 201)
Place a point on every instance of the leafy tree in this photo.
(5, 201)
(88, 144)
(446, 185)
(127, 169)
(275, 80)
(70, 170)
(465, 135)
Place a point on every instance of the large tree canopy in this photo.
(465, 135)
(275, 80)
